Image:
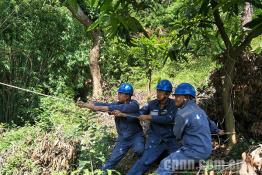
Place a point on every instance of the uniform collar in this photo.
(188, 102)
(126, 102)
(166, 102)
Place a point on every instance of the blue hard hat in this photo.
(185, 89)
(126, 88)
(164, 85)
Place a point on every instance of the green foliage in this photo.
(257, 45)
(193, 71)
(15, 146)
(133, 63)
(71, 123)
(113, 17)
(147, 55)
(17, 135)
(43, 49)
(75, 123)
(115, 65)
(194, 29)
(19, 163)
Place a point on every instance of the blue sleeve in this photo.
(213, 127)
(101, 104)
(132, 116)
(180, 124)
(131, 107)
(165, 119)
(145, 110)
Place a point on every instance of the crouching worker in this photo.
(160, 112)
(191, 129)
(130, 132)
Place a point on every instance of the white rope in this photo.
(34, 92)
(225, 133)
(229, 166)
(50, 96)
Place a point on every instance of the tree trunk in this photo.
(247, 15)
(94, 53)
(149, 75)
(94, 65)
(227, 97)
(229, 65)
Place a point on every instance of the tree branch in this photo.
(78, 13)
(256, 4)
(220, 25)
(254, 33)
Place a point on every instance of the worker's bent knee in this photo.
(139, 149)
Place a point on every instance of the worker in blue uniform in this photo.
(192, 129)
(160, 112)
(130, 132)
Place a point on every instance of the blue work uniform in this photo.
(192, 130)
(160, 134)
(130, 132)
(213, 127)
